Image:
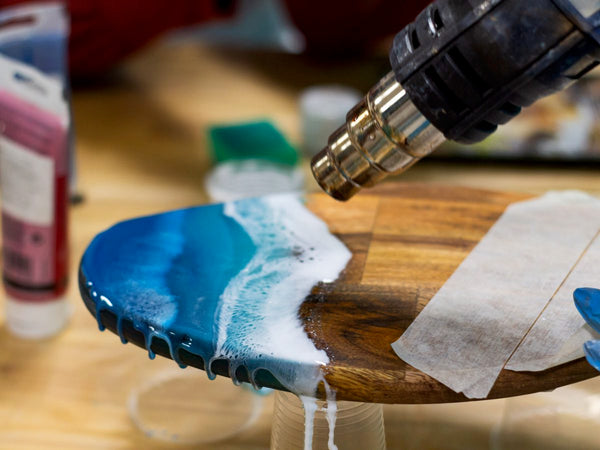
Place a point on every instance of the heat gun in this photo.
(462, 68)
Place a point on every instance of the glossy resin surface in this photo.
(221, 282)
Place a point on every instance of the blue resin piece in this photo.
(592, 353)
(222, 282)
(587, 301)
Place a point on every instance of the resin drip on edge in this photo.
(222, 282)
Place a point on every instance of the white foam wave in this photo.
(259, 307)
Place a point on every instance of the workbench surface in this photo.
(141, 149)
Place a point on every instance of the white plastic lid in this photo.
(236, 179)
(178, 406)
(323, 109)
(37, 320)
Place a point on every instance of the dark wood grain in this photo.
(406, 241)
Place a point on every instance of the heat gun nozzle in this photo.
(384, 134)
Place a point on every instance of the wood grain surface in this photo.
(406, 241)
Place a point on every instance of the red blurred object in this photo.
(347, 27)
(103, 32)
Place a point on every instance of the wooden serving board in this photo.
(406, 241)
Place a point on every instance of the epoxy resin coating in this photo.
(222, 282)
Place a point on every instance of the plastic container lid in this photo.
(37, 320)
(179, 407)
(323, 109)
(237, 179)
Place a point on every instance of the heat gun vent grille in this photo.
(510, 108)
(467, 71)
(486, 127)
(437, 20)
(414, 40)
(444, 90)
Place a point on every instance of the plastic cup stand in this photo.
(357, 425)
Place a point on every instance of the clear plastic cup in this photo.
(357, 425)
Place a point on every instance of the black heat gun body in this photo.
(462, 68)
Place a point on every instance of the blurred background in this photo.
(172, 103)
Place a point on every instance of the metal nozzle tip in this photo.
(384, 134)
(330, 178)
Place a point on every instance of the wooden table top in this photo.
(141, 147)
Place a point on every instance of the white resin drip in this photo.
(310, 408)
(331, 415)
(331, 418)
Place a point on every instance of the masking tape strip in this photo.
(471, 327)
(544, 346)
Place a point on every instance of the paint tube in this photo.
(34, 123)
(37, 34)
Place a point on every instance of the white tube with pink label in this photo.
(34, 123)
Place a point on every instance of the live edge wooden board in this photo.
(406, 241)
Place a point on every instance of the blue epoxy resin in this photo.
(221, 281)
(587, 301)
